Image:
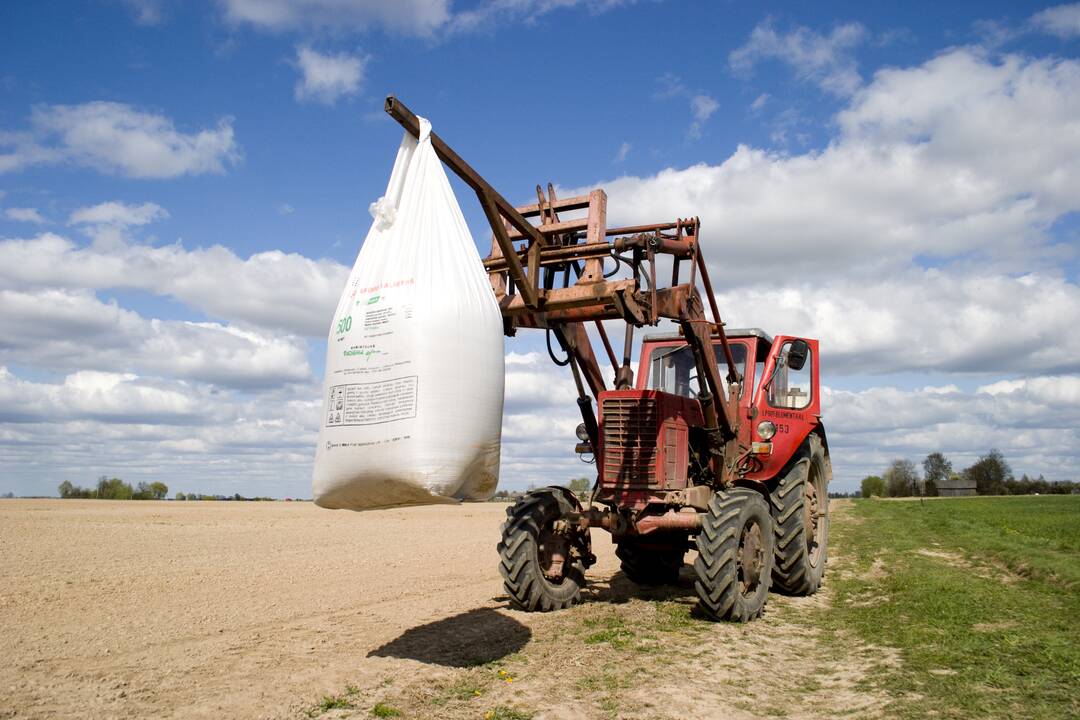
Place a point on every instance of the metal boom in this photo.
(556, 281)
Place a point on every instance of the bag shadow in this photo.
(471, 638)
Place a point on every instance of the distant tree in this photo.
(69, 490)
(935, 469)
(901, 479)
(158, 490)
(8, 495)
(1039, 485)
(180, 496)
(113, 489)
(991, 474)
(580, 486)
(871, 486)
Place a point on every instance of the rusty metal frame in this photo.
(555, 281)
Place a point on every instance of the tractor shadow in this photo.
(618, 589)
(471, 638)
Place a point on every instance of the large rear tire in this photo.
(800, 510)
(529, 553)
(735, 556)
(652, 564)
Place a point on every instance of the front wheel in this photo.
(735, 556)
(800, 510)
(540, 569)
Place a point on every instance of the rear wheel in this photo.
(800, 510)
(735, 556)
(653, 564)
(540, 571)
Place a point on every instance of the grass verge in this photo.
(977, 594)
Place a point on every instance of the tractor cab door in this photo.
(788, 395)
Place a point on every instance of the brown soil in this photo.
(223, 610)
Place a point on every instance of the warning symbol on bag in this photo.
(372, 403)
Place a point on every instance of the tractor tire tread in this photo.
(792, 572)
(523, 579)
(716, 564)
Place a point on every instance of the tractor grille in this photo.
(630, 442)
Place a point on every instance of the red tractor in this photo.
(717, 446)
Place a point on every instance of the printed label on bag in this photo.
(372, 403)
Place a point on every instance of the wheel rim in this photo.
(552, 554)
(751, 558)
(813, 522)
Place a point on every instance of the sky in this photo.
(184, 188)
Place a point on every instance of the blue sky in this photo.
(909, 172)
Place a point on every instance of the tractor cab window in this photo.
(672, 369)
(788, 387)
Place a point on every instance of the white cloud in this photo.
(702, 105)
(670, 85)
(285, 209)
(1060, 20)
(60, 329)
(908, 175)
(28, 215)
(823, 59)
(327, 78)
(192, 436)
(624, 151)
(147, 12)
(411, 17)
(118, 214)
(117, 138)
(490, 13)
(108, 396)
(1032, 420)
(539, 417)
(270, 290)
(923, 320)
(407, 17)
(702, 108)
(759, 102)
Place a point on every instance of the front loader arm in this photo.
(555, 280)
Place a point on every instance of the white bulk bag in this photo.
(413, 395)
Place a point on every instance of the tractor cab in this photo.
(779, 396)
(650, 436)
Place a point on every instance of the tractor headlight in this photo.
(766, 430)
(582, 433)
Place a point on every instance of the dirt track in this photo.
(259, 609)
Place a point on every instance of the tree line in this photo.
(115, 489)
(991, 474)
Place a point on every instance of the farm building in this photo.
(956, 487)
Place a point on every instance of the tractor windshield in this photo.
(672, 369)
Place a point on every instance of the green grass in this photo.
(979, 595)
(383, 710)
(502, 712)
(611, 629)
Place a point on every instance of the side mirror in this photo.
(797, 354)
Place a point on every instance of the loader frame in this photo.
(560, 276)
